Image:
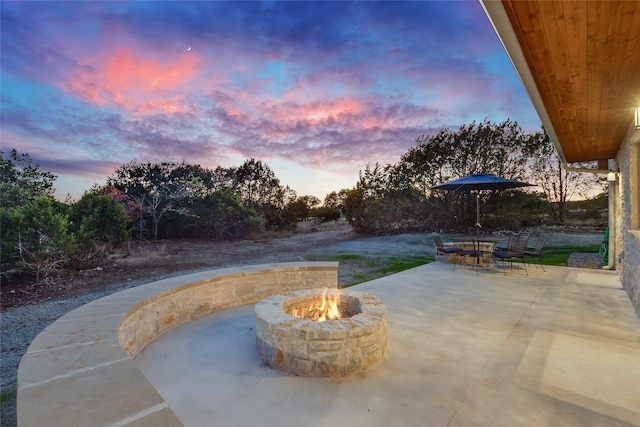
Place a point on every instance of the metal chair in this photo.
(443, 252)
(514, 251)
(537, 252)
(473, 251)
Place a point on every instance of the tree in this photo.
(362, 203)
(98, 220)
(261, 190)
(356, 209)
(501, 149)
(22, 181)
(297, 210)
(164, 198)
(336, 200)
(331, 200)
(300, 209)
(37, 239)
(498, 149)
(310, 201)
(326, 214)
(33, 235)
(167, 198)
(128, 206)
(394, 211)
(158, 189)
(256, 183)
(375, 181)
(558, 184)
(221, 215)
(513, 210)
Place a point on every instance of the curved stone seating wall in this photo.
(79, 371)
(153, 316)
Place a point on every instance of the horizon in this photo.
(316, 90)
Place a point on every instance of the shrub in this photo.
(35, 238)
(326, 214)
(98, 219)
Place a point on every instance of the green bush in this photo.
(98, 219)
(326, 214)
(222, 215)
(35, 238)
(100, 225)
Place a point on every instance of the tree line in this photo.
(169, 200)
(396, 198)
(143, 201)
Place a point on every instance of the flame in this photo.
(327, 308)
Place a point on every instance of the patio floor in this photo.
(560, 347)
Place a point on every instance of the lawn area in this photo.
(362, 268)
(358, 268)
(559, 255)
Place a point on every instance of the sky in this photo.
(316, 90)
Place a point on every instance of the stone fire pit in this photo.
(352, 344)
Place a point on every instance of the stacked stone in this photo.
(332, 348)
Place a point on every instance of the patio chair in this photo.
(503, 246)
(537, 251)
(443, 252)
(472, 250)
(514, 251)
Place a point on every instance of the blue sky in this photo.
(317, 90)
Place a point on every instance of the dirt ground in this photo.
(144, 262)
(141, 263)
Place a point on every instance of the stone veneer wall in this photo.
(631, 268)
(151, 317)
(332, 348)
(628, 248)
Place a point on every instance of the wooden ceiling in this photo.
(584, 59)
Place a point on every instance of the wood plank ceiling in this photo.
(584, 57)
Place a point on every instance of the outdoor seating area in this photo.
(482, 251)
(489, 252)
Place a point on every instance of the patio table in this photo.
(475, 243)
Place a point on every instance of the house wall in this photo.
(628, 241)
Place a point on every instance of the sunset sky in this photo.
(314, 89)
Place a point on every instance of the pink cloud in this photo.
(174, 105)
(134, 82)
(324, 111)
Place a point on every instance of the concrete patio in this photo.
(560, 347)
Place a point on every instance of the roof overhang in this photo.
(580, 64)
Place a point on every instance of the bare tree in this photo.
(163, 198)
(158, 189)
(558, 184)
(42, 257)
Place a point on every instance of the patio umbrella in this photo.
(480, 182)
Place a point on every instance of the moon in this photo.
(189, 48)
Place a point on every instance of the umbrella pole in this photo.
(477, 214)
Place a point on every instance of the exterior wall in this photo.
(628, 220)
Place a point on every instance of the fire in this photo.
(325, 308)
